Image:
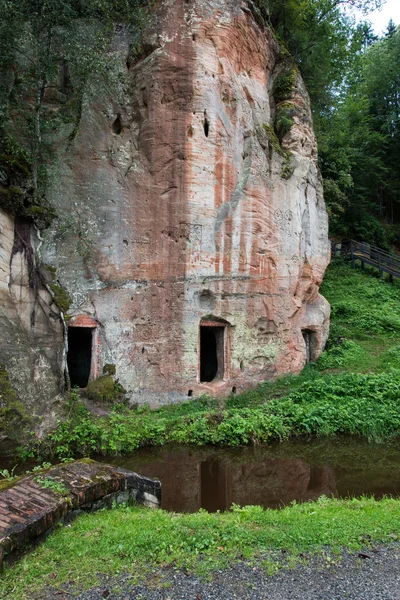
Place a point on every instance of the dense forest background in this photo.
(352, 75)
(353, 78)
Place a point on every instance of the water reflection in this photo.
(270, 476)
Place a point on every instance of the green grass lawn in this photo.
(137, 541)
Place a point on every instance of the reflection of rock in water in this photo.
(275, 482)
(215, 485)
(190, 483)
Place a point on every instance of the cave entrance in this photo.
(212, 352)
(310, 341)
(79, 357)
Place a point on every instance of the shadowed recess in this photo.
(79, 355)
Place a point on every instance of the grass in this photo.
(133, 540)
(366, 315)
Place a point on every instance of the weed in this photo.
(52, 484)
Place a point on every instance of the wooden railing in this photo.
(384, 261)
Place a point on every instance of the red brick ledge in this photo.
(28, 510)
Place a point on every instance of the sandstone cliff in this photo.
(192, 231)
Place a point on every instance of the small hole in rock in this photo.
(206, 126)
(234, 390)
(125, 242)
(190, 393)
(117, 125)
(142, 350)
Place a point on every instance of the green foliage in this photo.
(391, 358)
(342, 353)
(284, 85)
(105, 389)
(52, 484)
(60, 297)
(356, 404)
(363, 307)
(16, 196)
(283, 121)
(53, 55)
(138, 541)
(359, 140)
(12, 199)
(9, 475)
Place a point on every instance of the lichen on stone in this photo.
(275, 145)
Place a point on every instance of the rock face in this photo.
(31, 333)
(193, 241)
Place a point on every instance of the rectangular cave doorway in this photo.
(310, 341)
(212, 353)
(79, 357)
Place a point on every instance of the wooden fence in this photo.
(384, 261)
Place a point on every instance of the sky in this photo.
(380, 18)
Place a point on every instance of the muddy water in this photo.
(270, 476)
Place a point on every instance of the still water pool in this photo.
(270, 476)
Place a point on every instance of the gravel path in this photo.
(373, 575)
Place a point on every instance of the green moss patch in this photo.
(109, 369)
(284, 85)
(61, 297)
(275, 145)
(16, 163)
(12, 199)
(13, 415)
(283, 121)
(105, 389)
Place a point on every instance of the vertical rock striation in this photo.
(199, 236)
(31, 335)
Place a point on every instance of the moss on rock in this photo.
(61, 297)
(109, 369)
(105, 389)
(284, 85)
(12, 199)
(13, 415)
(283, 121)
(275, 145)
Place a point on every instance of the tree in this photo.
(50, 52)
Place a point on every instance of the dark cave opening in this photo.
(211, 353)
(117, 125)
(79, 355)
(310, 341)
(206, 126)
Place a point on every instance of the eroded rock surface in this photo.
(31, 335)
(191, 236)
